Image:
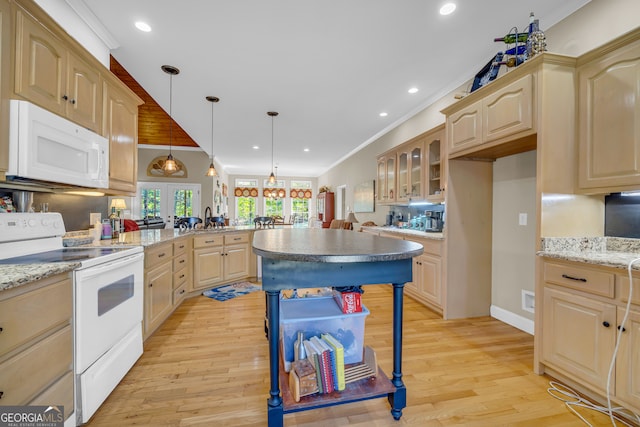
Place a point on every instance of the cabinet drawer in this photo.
(180, 247)
(232, 239)
(41, 363)
(208, 240)
(180, 277)
(157, 254)
(24, 317)
(623, 283)
(583, 279)
(433, 247)
(61, 391)
(180, 262)
(179, 294)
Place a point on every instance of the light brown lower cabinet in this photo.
(158, 286)
(37, 343)
(219, 258)
(582, 311)
(426, 286)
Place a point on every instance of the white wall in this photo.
(514, 245)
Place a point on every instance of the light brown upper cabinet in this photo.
(435, 170)
(387, 178)
(609, 117)
(121, 128)
(50, 75)
(5, 84)
(500, 114)
(410, 157)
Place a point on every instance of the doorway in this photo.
(341, 193)
(168, 201)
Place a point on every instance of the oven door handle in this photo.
(110, 266)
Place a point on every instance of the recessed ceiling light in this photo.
(255, 147)
(413, 90)
(383, 114)
(306, 150)
(447, 9)
(143, 26)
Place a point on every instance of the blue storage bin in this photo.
(318, 315)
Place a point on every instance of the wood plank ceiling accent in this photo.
(153, 121)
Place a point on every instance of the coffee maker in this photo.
(434, 221)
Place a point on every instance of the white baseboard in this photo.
(512, 319)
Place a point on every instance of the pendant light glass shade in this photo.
(212, 169)
(170, 164)
(272, 177)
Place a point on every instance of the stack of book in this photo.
(326, 354)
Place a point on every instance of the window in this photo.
(300, 212)
(245, 210)
(246, 204)
(300, 207)
(273, 206)
(167, 201)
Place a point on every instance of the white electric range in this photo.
(108, 301)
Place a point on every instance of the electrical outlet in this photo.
(94, 217)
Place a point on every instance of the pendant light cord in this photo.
(272, 143)
(212, 102)
(170, 110)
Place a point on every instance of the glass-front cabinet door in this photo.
(416, 171)
(403, 175)
(381, 191)
(391, 177)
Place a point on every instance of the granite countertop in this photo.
(327, 245)
(14, 275)
(613, 252)
(408, 232)
(147, 238)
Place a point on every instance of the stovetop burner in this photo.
(63, 255)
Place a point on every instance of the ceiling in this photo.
(328, 67)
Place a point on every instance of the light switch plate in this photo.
(522, 220)
(94, 217)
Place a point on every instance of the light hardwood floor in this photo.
(207, 366)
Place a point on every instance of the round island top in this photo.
(329, 245)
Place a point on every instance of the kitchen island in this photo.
(309, 258)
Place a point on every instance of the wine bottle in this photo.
(533, 26)
(511, 38)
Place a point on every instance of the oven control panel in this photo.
(30, 225)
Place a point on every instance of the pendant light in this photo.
(170, 165)
(272, 177)
(212, 169)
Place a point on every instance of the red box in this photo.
(349, 302)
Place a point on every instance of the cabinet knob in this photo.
(151, 285)
(1, 329)
(623, 329)
(605, 324)
(182, 292)
(73, 101)
(161, 255)
(65, 97)
(1, 393)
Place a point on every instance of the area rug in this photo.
(227, 292)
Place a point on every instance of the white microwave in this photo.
(46, 147)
